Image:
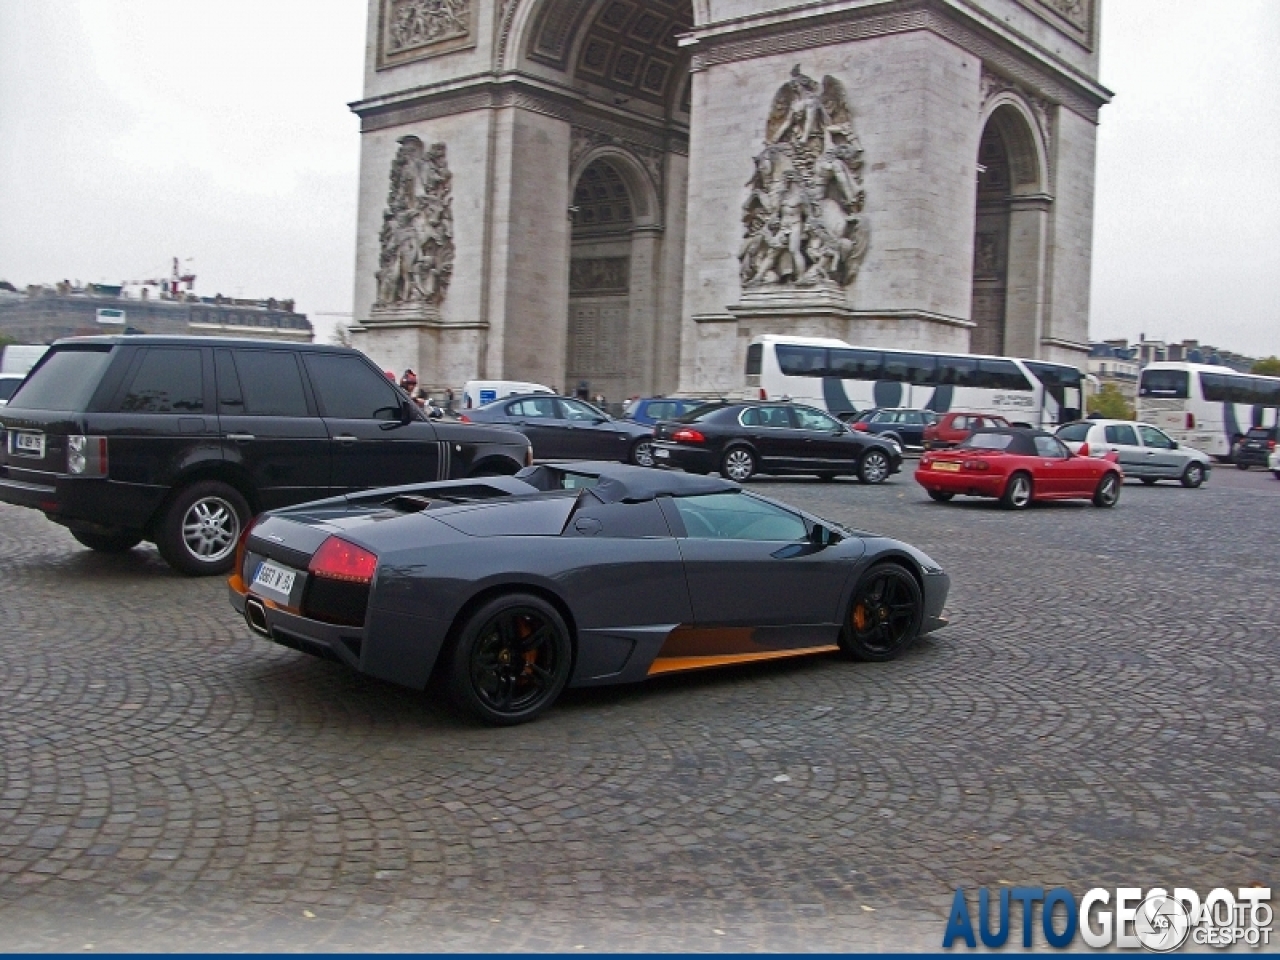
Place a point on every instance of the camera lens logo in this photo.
(1161, 924)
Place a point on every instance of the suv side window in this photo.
(1122, 434)
(270, 383)
(168, 380)
(349, 389)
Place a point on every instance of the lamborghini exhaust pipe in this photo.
(255, 614)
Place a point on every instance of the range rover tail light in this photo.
(87, 456)
(1191, 421)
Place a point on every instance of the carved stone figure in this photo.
(801, 220)
(420, 23)
(416, 261)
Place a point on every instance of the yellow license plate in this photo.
(947, 467)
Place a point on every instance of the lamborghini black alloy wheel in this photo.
(886, 614)
(512, 660)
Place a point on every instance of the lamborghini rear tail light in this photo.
(686, 435)
(337, 559)
(241, 546)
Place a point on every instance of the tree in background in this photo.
(6, 341)
(1270, 367)
(1110, 404)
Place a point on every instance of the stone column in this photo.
(1025, 298)
(646, 244)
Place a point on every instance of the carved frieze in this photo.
(417, 249)
(802, 223)
(1072, 17)
(584, 140)
(413, 29)
(600, 275)
(986, 256)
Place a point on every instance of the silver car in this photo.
(1146, 453)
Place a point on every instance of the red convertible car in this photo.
(1017, 465)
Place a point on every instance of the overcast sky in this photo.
(132, 131)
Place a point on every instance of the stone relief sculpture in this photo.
(801, 219)
(416, 261)
(419, 23)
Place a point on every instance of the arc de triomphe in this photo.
(626, 191)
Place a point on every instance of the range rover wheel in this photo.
(1193, 476)
(1108, 492)
(874, 466)
(885, 615)
(200, 528)
(1017, 495)
(738, 464)
(107, 542)
(642, 453)
(511, 661)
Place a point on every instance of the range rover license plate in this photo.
(275, 581)
(26, 444)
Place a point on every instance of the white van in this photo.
(20, 358)
(477, 393)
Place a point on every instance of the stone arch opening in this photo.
(1010, 224)
(610, 266)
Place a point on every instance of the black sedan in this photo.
(561, 428)
(743, 439)
(512, 588)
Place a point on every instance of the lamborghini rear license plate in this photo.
(273, 579)
(947, 467)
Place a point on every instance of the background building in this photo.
(43, 314)
(626, 192)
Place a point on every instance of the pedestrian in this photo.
(448, 400)
(409, 382)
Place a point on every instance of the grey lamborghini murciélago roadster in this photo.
(579, 574)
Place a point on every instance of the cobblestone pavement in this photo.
(1102, 711)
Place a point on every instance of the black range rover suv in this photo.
(181, 440)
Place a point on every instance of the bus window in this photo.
(1001, 375)
(1166, 383)
(910, 368)
(958, 371)
(802, 361)
(856, 364)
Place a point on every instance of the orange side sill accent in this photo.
(236, 583)
(676, 664)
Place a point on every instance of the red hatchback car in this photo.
(1017, 465)
(953, 427)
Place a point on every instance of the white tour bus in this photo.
(841, 378)
(1204, 406)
